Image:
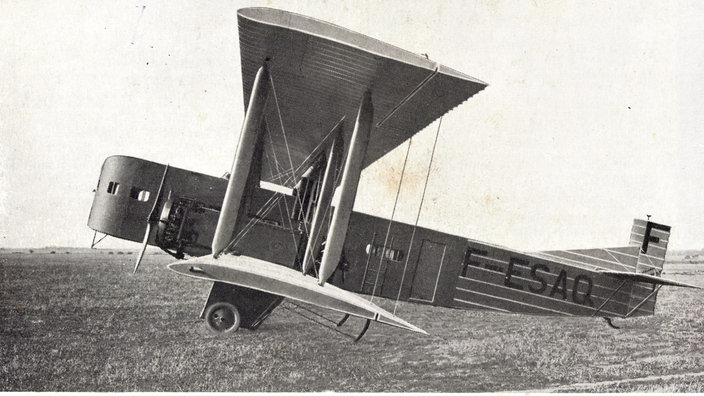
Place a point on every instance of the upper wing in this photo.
(319, 73)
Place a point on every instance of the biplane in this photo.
(321, 104)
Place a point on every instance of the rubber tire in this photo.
(222, 318)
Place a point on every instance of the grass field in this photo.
(78, 320)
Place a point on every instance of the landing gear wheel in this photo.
(222, 318)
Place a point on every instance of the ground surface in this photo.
(78, 320)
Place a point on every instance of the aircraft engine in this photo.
(184, 226)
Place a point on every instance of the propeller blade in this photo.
(144, 247)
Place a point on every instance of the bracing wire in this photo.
(420, 207)
(266, 208)
(312, 319)
(273, 151)
(281, 122)
(288, 150)
(279, 172)
(289, 174)
(391, 220)
(306, 160)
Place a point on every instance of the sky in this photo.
(593, 114)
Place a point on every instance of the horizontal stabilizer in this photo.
(286, 282)
(655, 280)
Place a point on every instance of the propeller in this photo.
(150, 220)
(144, 246)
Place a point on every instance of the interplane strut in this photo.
(325, 200)
(241, 165)
(348, 189)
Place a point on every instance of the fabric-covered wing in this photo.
(320, 71)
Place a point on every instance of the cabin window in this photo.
(113, 187)
(139, 194)
(143, 196)
(389, 253)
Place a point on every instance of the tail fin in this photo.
(650, 241)
(652, 238)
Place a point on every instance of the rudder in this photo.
(652, 238)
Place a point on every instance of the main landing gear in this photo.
(231, 307)
(222, 318)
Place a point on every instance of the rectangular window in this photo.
(113, 187)
(143, 196)
(139, 194)
(389, 253)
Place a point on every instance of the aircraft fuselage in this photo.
(420, 265)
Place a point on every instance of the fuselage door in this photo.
(427, 271)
